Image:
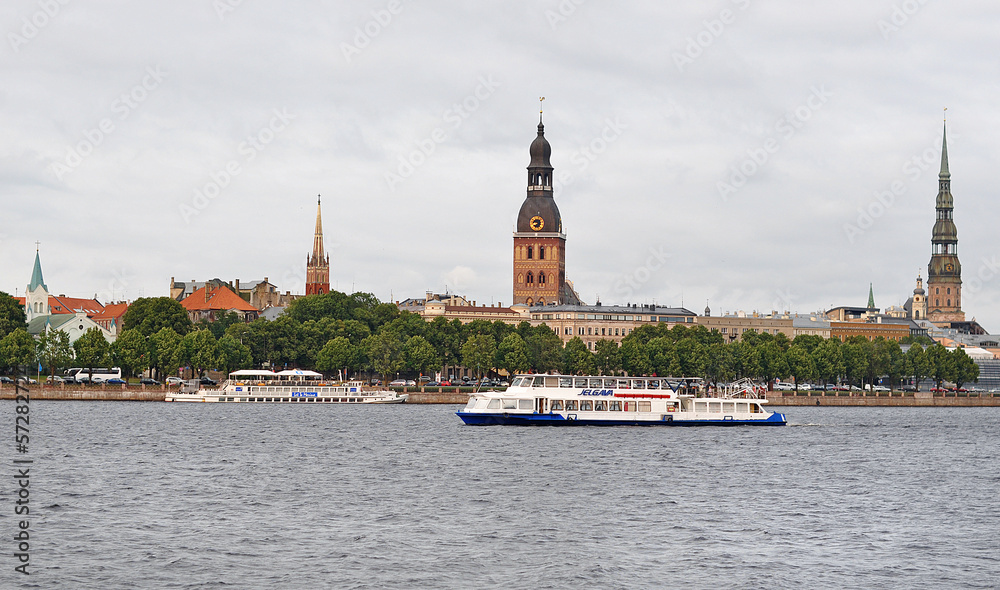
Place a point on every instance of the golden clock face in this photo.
(949, 267)
(537, 223)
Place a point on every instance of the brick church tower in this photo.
(539, 241)
(318, 264)
(944, 272)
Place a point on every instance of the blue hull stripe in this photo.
(481, 419)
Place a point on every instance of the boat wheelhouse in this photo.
(290, 386)
(568, 400)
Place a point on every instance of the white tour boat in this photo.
(291, 386)
(566, 400)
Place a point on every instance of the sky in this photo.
(745, 154)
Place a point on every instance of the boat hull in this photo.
(513, 419)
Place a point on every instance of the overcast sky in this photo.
(730, 152)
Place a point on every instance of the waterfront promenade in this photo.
(460, 395)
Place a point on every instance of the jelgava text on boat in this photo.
(291, 386)
(565, 400)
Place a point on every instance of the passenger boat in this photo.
(566, 400)
(291, 386)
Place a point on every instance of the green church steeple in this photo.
(36, 274)
(871, 297)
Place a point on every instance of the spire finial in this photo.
(37, 243)
(944, 147)
(540, 99)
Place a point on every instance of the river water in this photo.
(156, 495)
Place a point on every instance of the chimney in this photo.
(237, 284)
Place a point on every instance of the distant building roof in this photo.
(220, 298)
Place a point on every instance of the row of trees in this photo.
(348, 334)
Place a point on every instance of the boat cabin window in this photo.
(525, 404)
(595, 383)
(510, 404)
(755, 409)
(565, 382)
(645, 406)
(494, 404)
(615, 406)
(728, 407)
(580, 382)
(586, 405)
(471, 404)
(741, 408)
(700, 406)
(715, 407)
(600, 405)
(609, 383)
(517, 381)
(556, 405)
(571, 405)
(623, 384)
(539, 382)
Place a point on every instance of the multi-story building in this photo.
(606, 322)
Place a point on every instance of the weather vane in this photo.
(540, 99)
(946, 114)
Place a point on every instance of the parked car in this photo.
(208, 381)
(175, 381)
(148, 381)
(397, 383)
(446, 383)
(424, 378)
(5, 379)
(115, 381)
(54, 379)
(26, 379)
(881, 388)
(432, 383)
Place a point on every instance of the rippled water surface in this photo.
(154, 495)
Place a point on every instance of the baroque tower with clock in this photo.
(944, 272)
(539, 241)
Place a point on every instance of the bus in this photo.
(100, 375)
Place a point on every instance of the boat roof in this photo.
(298, 373)
(252, 373)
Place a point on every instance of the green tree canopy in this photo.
(17, 350)
(512, 354)
(478, 353)
(130, 352)
(54, 350)
(198, 350)
(11, 314)
(232, 355)
(150, 314)
(419, 356)
(339, 354)
(965, 369)
(384, 352)
(92, 350)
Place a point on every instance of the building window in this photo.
(520, 279)
(531, 277)
(949, 290)
(589, 331)
(580, 331)
(949, 303)
(541, 278)
(531, 252)
(541, 252)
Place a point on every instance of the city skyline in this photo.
(753, 156)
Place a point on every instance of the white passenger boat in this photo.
(566, 400)
(291, 386)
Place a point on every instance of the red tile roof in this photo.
(74, 304)
(221, 298)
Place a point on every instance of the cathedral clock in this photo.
(537, 223)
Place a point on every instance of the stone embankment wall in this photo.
(95, 393)
(923, 399)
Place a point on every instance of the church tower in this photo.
(944, 272)
(318, 264)
(918, 310)
(36, 296)
(539, 241)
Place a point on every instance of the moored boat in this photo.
(567, 400)
(291, 386)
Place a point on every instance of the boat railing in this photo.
(744, 388)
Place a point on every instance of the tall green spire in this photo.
(36, 275)
(871, 297)
(944, 152)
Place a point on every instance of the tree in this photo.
(607, 357)
(800, 364)
(635, 360)
(719, 365)
(772, 361)
(512, 354)
(163, 351)
(690, 357)
(917, 364)
(54, 350)
(855, 360)
(419, 355)
(92, 349)
(339, 353)
(221, 324)
(941, 364)
(827, 360)
(197, 350)
(150, 314)
(895, 366)
(965, 369)
(232, 354)
(11, 314)
(17, 349)
(663, 356)
(384, 352)
(129, 352)
(577, 359)
(878, 360)
(545, 350)
(478, 353)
